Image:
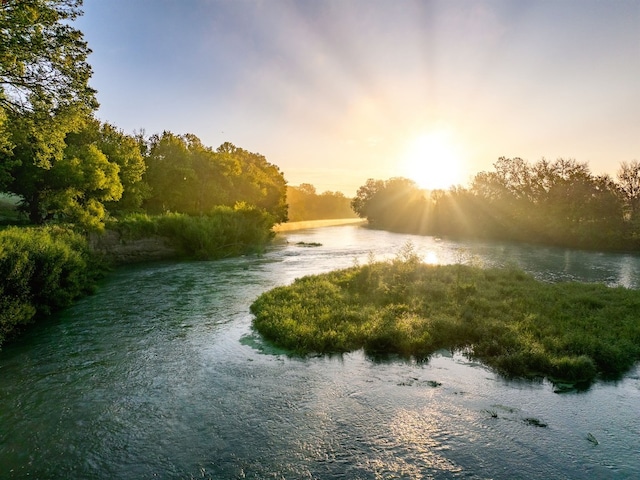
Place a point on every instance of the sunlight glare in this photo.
(433, 160)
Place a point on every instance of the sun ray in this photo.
(433, 160)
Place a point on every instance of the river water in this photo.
(159, 375)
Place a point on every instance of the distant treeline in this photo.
(557, 203)
(306, 204)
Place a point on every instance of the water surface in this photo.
(159, 375)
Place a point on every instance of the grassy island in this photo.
(569, 332)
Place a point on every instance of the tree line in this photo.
(305, 203)
(550, 202)
(67, 166)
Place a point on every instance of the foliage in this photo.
(61, 175)
(396, 204)
(187, 177)
(121, 150)
(43, 269)
(223, 232)
(517, 325)
(559, 203)
(306, 204)
(42, 57)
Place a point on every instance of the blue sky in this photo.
(338, 91)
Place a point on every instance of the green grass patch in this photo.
(569, 332)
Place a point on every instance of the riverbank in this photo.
(292, 226)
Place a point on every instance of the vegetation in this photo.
(559, 203)
(43, 269)
(224, 232)
(70, 173)
(517, 325)
(306, 204)
(43, 58)
(187, 177)
(67, 167)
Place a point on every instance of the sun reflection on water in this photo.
(412, 446)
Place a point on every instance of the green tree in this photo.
(187, 177)
(38, 143)
(80, 184)
(43, 59)
(628, 176)
(169, 174)
(396, 204)
(58, 169)
(259, 182)
(122, 150)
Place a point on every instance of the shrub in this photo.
(223, 232)
(43, 269)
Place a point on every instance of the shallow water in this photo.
(159, 375)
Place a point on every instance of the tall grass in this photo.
(42, 270)
(224, 232)
(521, 327)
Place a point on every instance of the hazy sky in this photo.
(338, 91)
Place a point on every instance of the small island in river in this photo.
(569, 332)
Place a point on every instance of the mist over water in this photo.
(159, 375)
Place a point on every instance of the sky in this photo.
(334, 92)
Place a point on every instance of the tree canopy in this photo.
(43, 59)
(559, 203)
(187, 177)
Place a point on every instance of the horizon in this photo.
(335, 93)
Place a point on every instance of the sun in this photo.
(433, 160)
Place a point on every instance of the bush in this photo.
(43, 269)
(224, 232)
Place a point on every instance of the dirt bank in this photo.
(121, 251)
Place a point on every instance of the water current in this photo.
(160, 375)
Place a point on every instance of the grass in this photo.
(569, 332)
(224, 232)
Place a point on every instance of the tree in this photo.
(80, 184)
(396, 204)
(629, 183)
(361, 203)
(259, 182)
(186, 176)
(59, 170)
(306, 204)
(42, 57)
(122, 150)
(170, 175)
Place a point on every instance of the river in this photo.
(159, 375)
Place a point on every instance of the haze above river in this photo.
(159, 375)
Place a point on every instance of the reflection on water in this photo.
(159, 375)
